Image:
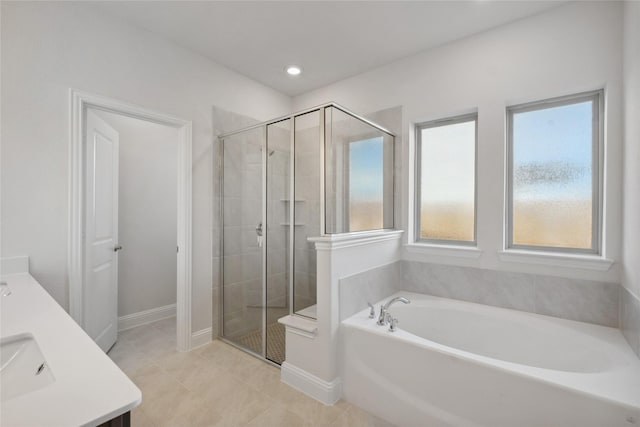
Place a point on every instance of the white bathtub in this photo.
(454, 363)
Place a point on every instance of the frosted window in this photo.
(447, 180)
(358, 176)
(554, 174)
(366, 184)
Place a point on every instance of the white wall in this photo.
(573, 48)
(49, 47)
(631, 215)
(147, 213)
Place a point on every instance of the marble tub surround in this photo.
(630, 318)
(581, 300)
(573, 299)
(367, 287)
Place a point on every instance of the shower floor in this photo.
(275, 342)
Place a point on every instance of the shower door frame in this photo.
(322, 108)
(265, 237)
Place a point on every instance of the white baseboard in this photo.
(200, 338)
(143, 317)
(321, 390)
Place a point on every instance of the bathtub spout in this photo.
(382, 319)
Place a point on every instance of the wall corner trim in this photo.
(201, 337)
(323, 391)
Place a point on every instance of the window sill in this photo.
(444, 250)
(587, 262)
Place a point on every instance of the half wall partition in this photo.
(317, 172)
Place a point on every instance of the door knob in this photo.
(117, 248)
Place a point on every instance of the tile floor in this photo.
(216, 385)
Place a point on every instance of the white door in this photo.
(100, 293)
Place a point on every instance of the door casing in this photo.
(79, 102)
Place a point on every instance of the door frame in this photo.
(79, 102)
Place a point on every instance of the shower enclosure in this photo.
(317, 172)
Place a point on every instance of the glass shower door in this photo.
(243, 239)
(284, 182)
(278, 163)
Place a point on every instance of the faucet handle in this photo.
(393, 324)
(372, 311)
(382, 318)
(5, 291)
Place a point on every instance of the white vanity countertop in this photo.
(89, 388)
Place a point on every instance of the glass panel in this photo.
(447, 181)
(553, 176)
(358, 176)
(243, 296)
(307, 211)
(366, 160)
(278, 184)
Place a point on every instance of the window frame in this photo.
(418, 180)
(597, 152)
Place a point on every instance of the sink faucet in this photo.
(382, 319)
(5, 291)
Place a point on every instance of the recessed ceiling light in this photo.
(293, 70)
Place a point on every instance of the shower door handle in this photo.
(259, 234)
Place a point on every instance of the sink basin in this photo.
(23, 368)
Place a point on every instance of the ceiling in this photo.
(330, 40)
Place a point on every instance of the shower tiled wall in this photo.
(582, 300)
(243, 295)
(242, 210)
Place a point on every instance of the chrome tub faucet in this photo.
(382, 319)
